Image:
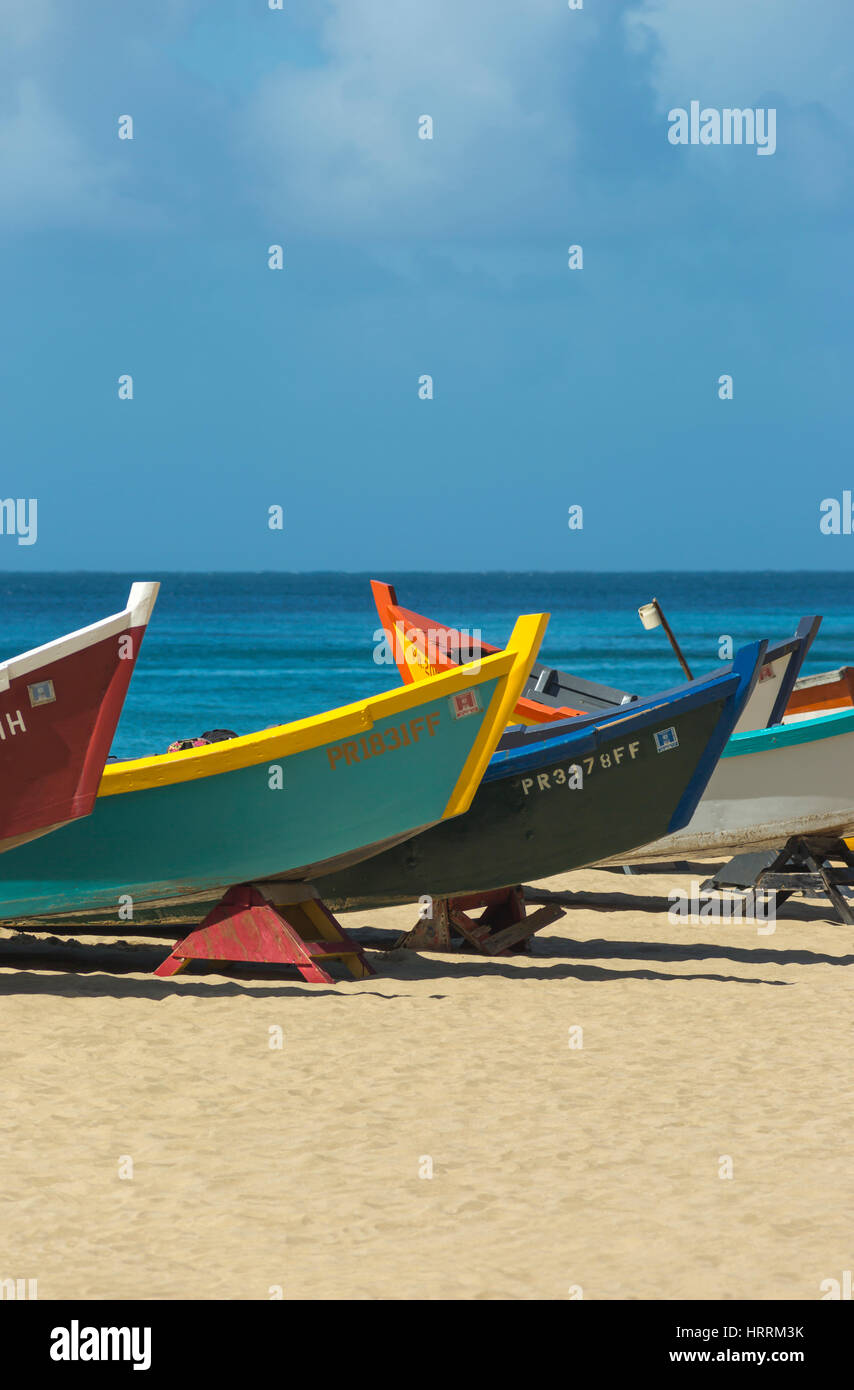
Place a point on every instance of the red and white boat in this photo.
(59, 707)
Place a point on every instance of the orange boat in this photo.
(421, 646)
(821, 694)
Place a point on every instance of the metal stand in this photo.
(271, 924)
(802, 866)
(502, 925)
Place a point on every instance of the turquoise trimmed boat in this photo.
(289, 802)
(770, 785)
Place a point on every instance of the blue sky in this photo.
(402, 257)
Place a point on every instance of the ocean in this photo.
(246, 651)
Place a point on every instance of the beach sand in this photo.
(555, 1169)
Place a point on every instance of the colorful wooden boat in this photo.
(561, 795)
(752, 802)
(421, 646)
(59, 707)
(824, 693)
(289, 802)
(771, 784)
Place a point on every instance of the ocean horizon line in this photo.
(380, 570)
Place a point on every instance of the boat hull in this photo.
(793, 779)
(530, 818)
(200, 836)
(290, 801)
(59, 707)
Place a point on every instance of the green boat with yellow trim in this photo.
(292, 802)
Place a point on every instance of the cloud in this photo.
(735, 54)
(47, 174)
(335, 148)
(545, 119)
(24, 22)
(549, 123)
(61, 75)
(791, 56)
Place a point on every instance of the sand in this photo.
(556, 1170)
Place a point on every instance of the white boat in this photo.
(770, 784)
(777, 678)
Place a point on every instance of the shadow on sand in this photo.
(73, 966)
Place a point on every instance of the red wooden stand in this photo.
(271, 924)
(503, 922)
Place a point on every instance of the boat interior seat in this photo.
(551, 686)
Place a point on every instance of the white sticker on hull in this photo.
(42, 693)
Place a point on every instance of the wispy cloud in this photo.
(335, 148)
(549, 123)
(737, 53)
(66, 75)
(48, 176)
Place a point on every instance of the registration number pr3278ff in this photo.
(573, 776)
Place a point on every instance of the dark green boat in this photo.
(558, 796)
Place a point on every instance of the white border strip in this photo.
(137, 613)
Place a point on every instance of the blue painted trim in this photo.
(788, 735)
(745, 667)
(800, 643)
(530, 749)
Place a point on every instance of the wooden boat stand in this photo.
(271, 924)
(803, 865)
(502, 925)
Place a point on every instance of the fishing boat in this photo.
(560, 795)
(770, 786)
(420, 646)
(286, 803)
(59, 707)
(824, 693)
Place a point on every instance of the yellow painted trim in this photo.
(416, 663)
(270, 745)
(523, 647)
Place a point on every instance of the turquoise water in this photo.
(244, 651)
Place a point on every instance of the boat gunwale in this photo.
(823, 678)
(316, 730)
(542, 743)
(833, 724)
(135, 614)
